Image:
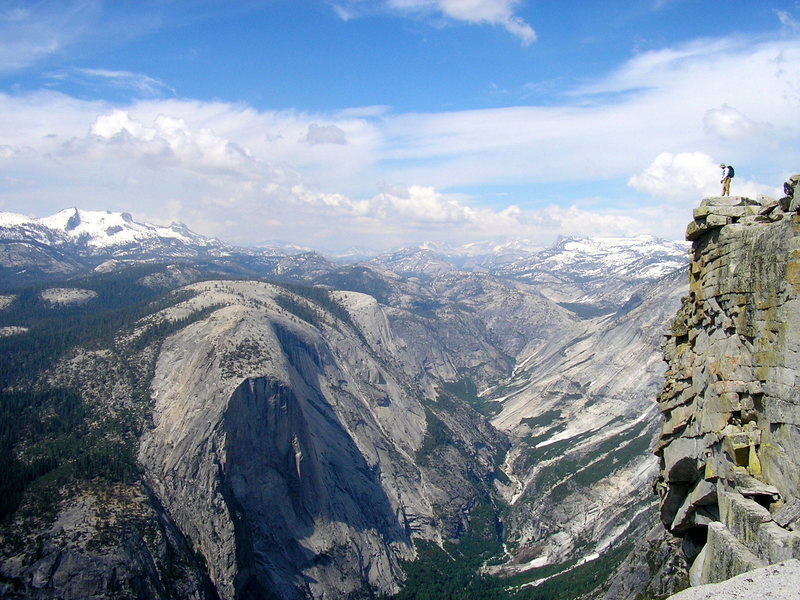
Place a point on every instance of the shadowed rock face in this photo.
(293, 474)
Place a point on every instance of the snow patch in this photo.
(12, 330)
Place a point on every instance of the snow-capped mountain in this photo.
(598, 271)
(486, 253)
(588, 275)
(434, 258)
(354, 254)
(98, 232)
(74, 241)
(414, 262)
(642, 257)
(281, 247)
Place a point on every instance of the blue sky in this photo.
(379, 123)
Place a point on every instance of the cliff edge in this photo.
(729, 483)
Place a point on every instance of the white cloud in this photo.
(419, 204)
(490, 12)
(687, 175)
(166, 138)
(573, 220)
(286, 173)
(493, 12)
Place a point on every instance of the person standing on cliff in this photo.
(727, 175)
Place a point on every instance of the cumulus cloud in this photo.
(687, 176)
(728, 123)
(574, 220)
(409, 204)
(490, 12)
(420, 204)
(166, 137)
(678, 176)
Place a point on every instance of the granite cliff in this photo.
(311, 443)
(729, 448)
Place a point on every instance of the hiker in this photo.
(727, 175)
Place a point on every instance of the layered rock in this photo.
(729, 446)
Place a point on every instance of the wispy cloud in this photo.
(787, 20)
(478, 12)
(138, 83)
(30, 32)
(38, 33)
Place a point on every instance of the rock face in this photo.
(729, 446)
(298, 458)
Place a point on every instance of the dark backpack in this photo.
(731, 172)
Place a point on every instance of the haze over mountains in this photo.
(75, 239)
(310, 428)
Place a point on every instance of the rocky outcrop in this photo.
(775, 581)
(729, 447)
(99, 542)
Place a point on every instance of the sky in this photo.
(376, 124)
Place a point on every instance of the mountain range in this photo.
(74, 241)
(441, 421)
